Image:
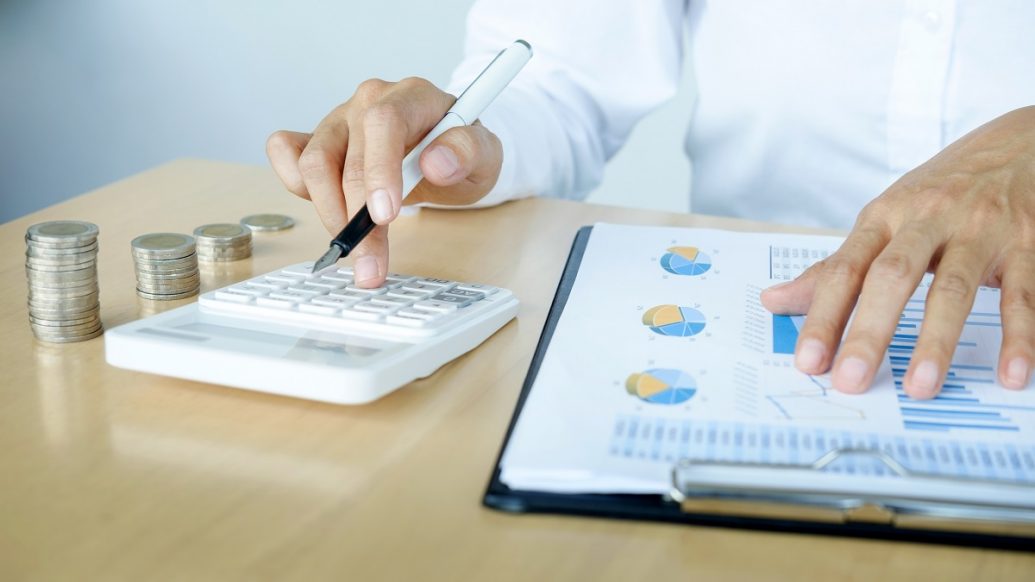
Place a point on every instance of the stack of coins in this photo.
(61, 266)
(223, 242)
(268, 222)
(166, 265)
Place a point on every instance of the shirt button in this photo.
(932, 20)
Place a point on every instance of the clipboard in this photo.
(693, 501)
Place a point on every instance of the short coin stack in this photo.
(166, 265)
(268, 222)
(61, 266)
(223, 242)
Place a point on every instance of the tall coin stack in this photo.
(223, 242)
(166, 265)
(61, 266)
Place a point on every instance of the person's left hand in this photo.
(968, 215)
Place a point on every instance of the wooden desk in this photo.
(115, 475)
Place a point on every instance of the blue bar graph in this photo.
(785, 333)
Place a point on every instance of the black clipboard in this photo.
(664, 508)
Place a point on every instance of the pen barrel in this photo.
(411, 173)
(357, 228)
(492, 81)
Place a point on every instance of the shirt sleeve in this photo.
(597, 69)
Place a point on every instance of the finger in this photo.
(391, 126)
(283, 149)
(1017, 307)
(836, 290)
(793, 297)
(461, 166)
(949, 301)
(890, 282)
(371, 258)
(321, 166)
(353, 172)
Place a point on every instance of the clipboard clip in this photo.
(695, 487)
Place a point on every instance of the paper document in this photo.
(664, 352)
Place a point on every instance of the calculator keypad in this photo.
(404, 301)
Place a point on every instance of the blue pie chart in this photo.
(686, 261)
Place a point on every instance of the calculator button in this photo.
(457, 300)
(472, 295)
(397, 278)
(280, 303)
(350, 295)
(370, 307)
(344, 271)
(421, 287)
(432, 305)
(328, 284)
(406, 320)
(292, 295)
(390, 301)
(332, 301)
(313, 290)
(268, 284)
(336, 276)
(415, 313)
(285, 278)
(411, 295)
(317, 309)
(249, 289)
(305, 269)
(486, 289)
(374, 291)
(361, 315)
(436, 282)
(234, 296)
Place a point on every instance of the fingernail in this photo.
(442, 161)
(379, 203)
(924, 380)
(1017, 373)
(810, 356)
(365, 269)
(851, 374)
(778, 286)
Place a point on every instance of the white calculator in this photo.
(315, 336)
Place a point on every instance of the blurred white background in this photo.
(96, 90)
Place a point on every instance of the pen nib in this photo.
(329, 258)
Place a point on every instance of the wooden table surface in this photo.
(117, 475)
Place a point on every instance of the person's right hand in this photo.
(354, 156)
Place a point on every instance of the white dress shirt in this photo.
(805, 110)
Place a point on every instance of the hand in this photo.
(968, 215)
(354, 156)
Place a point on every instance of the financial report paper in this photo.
(664, 352)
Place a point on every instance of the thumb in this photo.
(793, 297)
(460, 167)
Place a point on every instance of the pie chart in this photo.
(685, 261)
(674, 320)
(661, 386)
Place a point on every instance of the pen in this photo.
(469, 105)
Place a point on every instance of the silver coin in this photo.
(69, 245)
(268, 222)
(60, 278)
(59, 339)
(63, 314)
(68, 303)
(167, 297)
(50, 267)
(87, 326)
(39, 299)
(44, 322)
(162, 245)
(167, 275)
(222, 232)
(175, 286)
(167, 265)
(32, 250)
(59, 294)
(62, 231)
(60, 260)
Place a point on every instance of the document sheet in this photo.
(664, 352)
